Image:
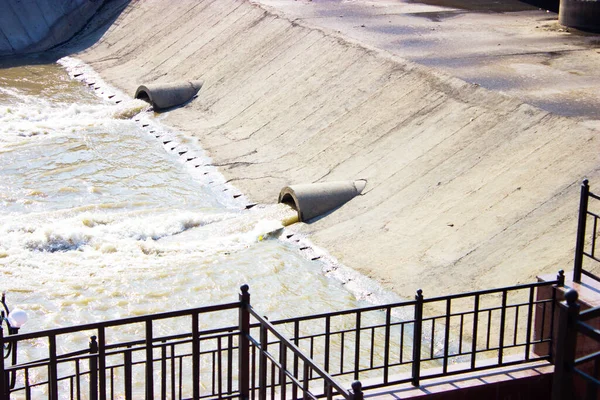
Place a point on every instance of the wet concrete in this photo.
(507, 46)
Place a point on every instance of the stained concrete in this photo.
(468, 188)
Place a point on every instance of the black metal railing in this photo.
(577, 366)
(428, 337)
(230, 350)
(581, 250)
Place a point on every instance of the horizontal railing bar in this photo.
(119, 322)
(593, 214)
(594, 196)
(583, 271)
(590, 313)
(587, 377)
(589, 357)
(588, 330)
(491, 291)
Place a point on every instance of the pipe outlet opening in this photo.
(315, 199)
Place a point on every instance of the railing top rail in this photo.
(119, 322)
(321, 372)
(413, 302)
(491, 291)
(595, 196)
(589, 314)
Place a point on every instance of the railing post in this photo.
(244, 345)
(356, 391)
(579, 245)
(568, 313)
(418, 326)
(93, 368)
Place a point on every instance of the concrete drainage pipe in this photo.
(314, 199)
(167, 95)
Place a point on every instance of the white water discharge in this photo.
(105, 213)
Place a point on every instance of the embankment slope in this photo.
(466, 189)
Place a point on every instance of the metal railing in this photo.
(230, 350)
(428, 337)
(580, 245)
(577, 366)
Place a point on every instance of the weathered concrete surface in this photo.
(28, 26)
(467, 188)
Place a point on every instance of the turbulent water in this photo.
(101, 219)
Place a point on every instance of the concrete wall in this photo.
(28, 26)
(466, 188)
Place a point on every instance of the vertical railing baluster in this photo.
(386, 345)
(128, 374)
(460, 333)
(230, 365)
(401, 355)
(529, 323)
(305, 382)
(163, 370)
(342, 351)
(357, 346)
(172, 352)
(327, 343)
(112, 383)
(580, 242)
(502, 323)
(220, 367)
(418, 326)
(262, 363)
(283, 370)
(93, 389)
(372, 355)
(149, 361)
(52, 369)
(516, 325)
(447, 335)
(180, 374)
(102, 362)
(432, 338)
(297, 343)
(475, 323)
(28, 386)
(568, 314)
(244, 343)
(195, 358)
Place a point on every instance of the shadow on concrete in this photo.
(86, 37)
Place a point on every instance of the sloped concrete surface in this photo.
(28, 26)
(467, 188)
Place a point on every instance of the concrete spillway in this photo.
(467, 188)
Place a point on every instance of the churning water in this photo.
(100, 219)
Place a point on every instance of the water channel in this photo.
(100, 220)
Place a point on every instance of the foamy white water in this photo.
(101, 219)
